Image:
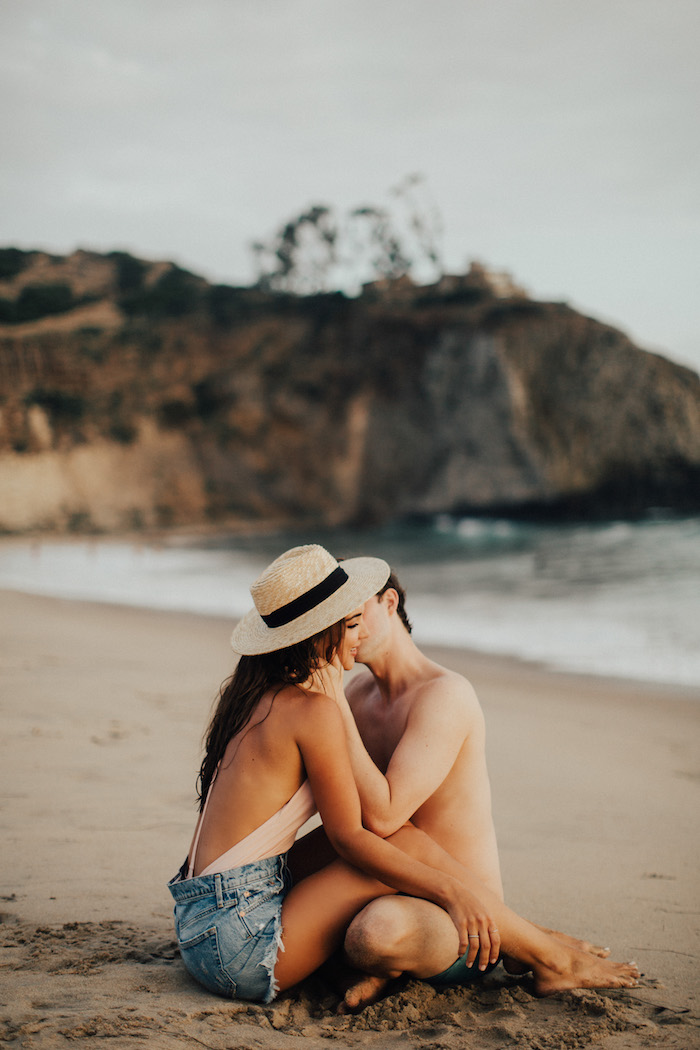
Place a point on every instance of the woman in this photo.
(275, 752)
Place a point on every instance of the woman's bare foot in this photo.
(586, 971)
(361, 993)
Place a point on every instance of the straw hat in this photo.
(302, 592)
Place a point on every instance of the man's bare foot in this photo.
(517, 969)
(576, 944)
(514, 967)
(365, 990)
(586, 971)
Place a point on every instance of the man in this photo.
(417, 745)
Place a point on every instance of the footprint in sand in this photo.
(113, 735)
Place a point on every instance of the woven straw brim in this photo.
(366, 576)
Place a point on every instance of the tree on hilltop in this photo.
(300, 255)
(320, 250)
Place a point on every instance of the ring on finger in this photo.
(473, 936)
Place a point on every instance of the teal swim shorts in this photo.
(460, 973)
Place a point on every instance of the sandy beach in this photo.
(595, 782)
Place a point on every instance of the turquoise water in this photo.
(617, 599)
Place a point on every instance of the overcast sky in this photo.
(559, 138)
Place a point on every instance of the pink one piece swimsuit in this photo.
(275, 836)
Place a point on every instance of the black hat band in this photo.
(307, 601)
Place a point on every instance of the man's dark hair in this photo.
(394, 584)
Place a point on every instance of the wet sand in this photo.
(596, 786)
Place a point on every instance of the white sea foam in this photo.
(620, 599)
(602, 634)
(211, 582)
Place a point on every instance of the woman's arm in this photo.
(436, 730)
(322, 742)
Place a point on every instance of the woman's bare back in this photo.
(261, 770)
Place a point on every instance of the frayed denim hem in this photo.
(269, 960)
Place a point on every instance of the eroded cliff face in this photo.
(149, 398)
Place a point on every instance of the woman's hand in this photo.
(330, 680)
(478, 933)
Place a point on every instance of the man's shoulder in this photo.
(447, 687)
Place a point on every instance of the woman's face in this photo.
(355, 632)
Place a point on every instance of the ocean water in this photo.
(620, 599)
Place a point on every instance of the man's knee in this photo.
(375, 935)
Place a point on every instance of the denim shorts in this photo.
(229, 927)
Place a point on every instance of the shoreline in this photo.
(641, 634)
(595, 788)
(680, 691)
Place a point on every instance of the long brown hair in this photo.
(253, 677)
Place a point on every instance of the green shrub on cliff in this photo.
(12, 262)
(176, 293)
(61, 406)
(130, 272)
(174, 413)
(42, 300)
(228, 305)
(36, 301)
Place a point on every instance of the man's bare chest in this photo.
(381, 729)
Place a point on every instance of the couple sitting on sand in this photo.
(404, 873)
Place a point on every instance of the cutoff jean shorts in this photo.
(229, 927)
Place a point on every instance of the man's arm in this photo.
(436, 729)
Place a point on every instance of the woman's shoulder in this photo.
(310, 700)
(310, 709)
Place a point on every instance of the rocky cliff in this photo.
(135, 394)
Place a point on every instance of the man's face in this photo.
(376, 622)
